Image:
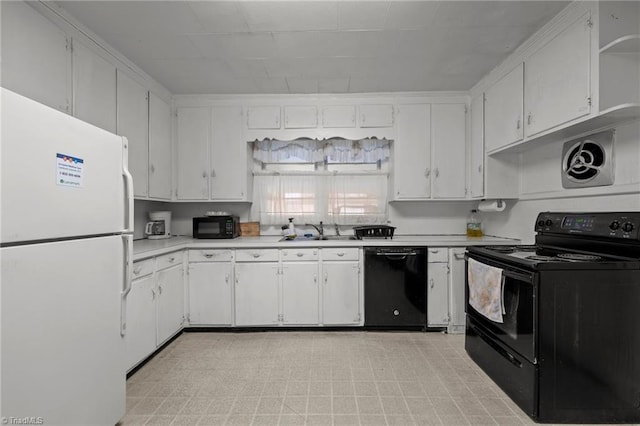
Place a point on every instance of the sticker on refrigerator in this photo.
(69, 170)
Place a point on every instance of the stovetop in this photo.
(541, 257)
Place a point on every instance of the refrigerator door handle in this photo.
(126, 287)
(128, 181)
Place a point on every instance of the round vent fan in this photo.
(587, 161)
(584, 161)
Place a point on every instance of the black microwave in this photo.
(224, 226)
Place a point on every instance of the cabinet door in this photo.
(194, 130)
(228, 155)
(36, 59)
(94, 88)
(256, 293)
(159, 148)
(503, 116)
(300, 117)
(412, 153)
(300, 293)
(376, 115)
(476, 158)
(210, 293)
(341, 293)
(438, 295)
(140, 337)
(133, 122)
(557, 79)
(339, 116)
(449, 140)
(170, 305)
(266, 117)
(456, 289)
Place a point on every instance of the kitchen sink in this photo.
(323, 238)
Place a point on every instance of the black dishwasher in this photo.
(395, 287)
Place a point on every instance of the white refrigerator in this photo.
(66, 243)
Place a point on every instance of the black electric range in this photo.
(565, 342)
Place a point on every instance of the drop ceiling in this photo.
(234, 47)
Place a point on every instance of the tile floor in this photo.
(316, 378)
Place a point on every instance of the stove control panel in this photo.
(611, 225)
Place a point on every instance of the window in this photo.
(344, 187)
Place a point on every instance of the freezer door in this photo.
(61, 177)
(63, 356)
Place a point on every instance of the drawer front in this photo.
(142, 268)
(210, 255)
(259, 255)
(290, 255)
(340, 254)
(168, 260)
(438, 254)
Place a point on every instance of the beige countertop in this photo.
(147, 248)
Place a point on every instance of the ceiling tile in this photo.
(155, 46)
(327, 43)
(219, 16)
(333, 85)
(240, 45)
(270, 85)
(302, 85)
(496, 13)
(247, 68)
(199, 77)
(362, 15)
(290, 16)
(411, 14)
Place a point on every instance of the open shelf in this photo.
(607, 118)
(625, 44)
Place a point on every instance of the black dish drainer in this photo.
(377, 231)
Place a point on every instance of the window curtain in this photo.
(344, 199)
(337, 150)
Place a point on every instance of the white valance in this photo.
(339, 150)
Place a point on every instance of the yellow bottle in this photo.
(474, 226)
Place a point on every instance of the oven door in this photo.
(518, 328)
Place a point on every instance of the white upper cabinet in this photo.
(133, 122)
(300, 117)
(159, 148)
(192, 162)
(504, 110)
(229, 166)
(376, 115)
(448, 142)
(94, 88)
(476, 148)
(412, 153)
(36, 59)
(339, 116)
(263, 117)
(557, 78)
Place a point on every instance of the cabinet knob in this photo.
(137, 270)
(518, 124)
(213, 172)
(529, 119)
(204, 174)
(437, 172)
(340, 254)
(171, 259)
(432, 283)
(153, 295)
(427, 172)
(159, 289)
(480, 168)
(256, 255)
(299, 254)
(152, 168)
(208, 255)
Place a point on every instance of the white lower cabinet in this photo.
(438, 287)
(140, 335)
(155, 305)
(256, 293)
(300, 293)
(170, 307)
(341, 293)
(210, 293)
(456, 290)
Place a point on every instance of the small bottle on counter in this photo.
(474, 225)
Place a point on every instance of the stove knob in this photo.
(541, 222)
(548, 222)
(627, 227)
(614, 225)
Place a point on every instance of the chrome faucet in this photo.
(320, 229)
(337, 229)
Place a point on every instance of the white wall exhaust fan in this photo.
(588, 161)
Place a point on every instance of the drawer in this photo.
(438, 254)
(290, 255)
(142, 268)
(340, 254)
(167, 260)
(259, 255)
(210, 255)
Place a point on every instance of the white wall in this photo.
(541, 183)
